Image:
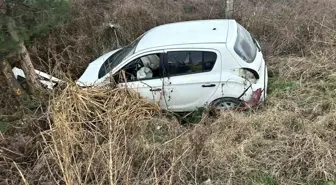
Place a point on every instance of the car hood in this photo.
(90, 75)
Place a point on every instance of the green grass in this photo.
(279, 85)
(191, 118)
(264, 179)
(3, 127)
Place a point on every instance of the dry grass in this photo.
(102, 136)
(106, 136)
(290, 27)
(88, 34)
(112, 136)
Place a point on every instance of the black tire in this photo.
(227, 103)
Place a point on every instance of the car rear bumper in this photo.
(257, 92)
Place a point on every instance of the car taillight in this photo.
(246, 74)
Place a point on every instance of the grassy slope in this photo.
(289, 141)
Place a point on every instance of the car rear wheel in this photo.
(227, 104)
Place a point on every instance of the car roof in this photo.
(186, 32)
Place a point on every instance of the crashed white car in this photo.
(186, 65)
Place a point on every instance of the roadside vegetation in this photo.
(104, 136)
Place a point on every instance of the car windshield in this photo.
(118, 57)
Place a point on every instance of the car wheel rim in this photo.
(226, 105)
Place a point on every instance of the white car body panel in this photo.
(189, 32)
(186, 92)
(46, 79)
(144, 89)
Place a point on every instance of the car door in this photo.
(193, 77)
(143, 74)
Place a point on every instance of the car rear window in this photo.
(188, 62)
(244, 45)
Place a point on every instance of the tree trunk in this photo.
(6, 68)
(25, 60)
(228, 9)
(13, 84)
(28, 68)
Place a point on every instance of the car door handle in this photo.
(158, 89)
(209, 85)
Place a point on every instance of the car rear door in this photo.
(193, 77)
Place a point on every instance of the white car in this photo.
(186, 65)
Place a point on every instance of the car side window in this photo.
(143, 68)
(188, 62)
(209, 60)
